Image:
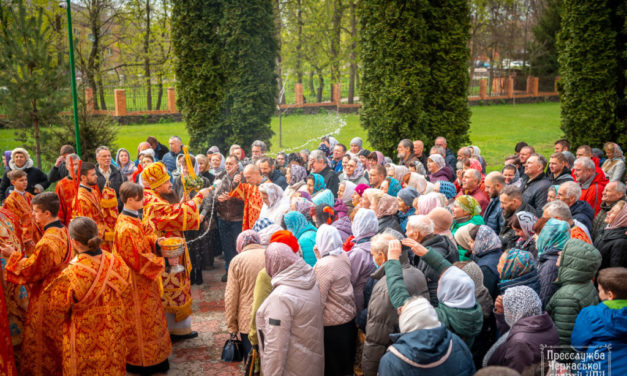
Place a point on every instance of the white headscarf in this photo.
(418, 182)
(365, 224)
(349, 189)
(328, 241)
(418, 314)
(267, 233)
(456, 289)
(277, 207)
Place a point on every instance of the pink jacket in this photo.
(333, 274)
(289, 324)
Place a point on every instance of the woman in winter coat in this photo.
(345, 196)
(333, 272)
(486, 251)
(466, 210)
(526, 329)
(614, 166)
(305, 232)
(365, 226)
(517, 268)
(522, 222)
(289, 322)
(386, 210)
(37, 179)
(240, 285)
(578, 263)
(612, 243)
(551, 241)
(425, 347)
(438, 170)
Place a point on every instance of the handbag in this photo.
(252, 363)
(232, 351)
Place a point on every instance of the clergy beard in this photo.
(171, 197)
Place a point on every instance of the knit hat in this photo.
(155, 175)
(285, 237)
(418, 314)
(357, 141)
(408, 195)
(360, 188)
(448, 189)
(262, 223)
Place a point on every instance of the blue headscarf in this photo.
(297, 224)
(319, 183)
(324, 197)
(554, 235)
(394, 186)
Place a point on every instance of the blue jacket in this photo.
(425, 347)
(451, 159)
(600, 325)
(492, 216)
(169, 159)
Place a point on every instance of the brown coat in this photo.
(238, 297)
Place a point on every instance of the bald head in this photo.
(252, 174)
(442, 220)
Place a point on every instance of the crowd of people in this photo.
(338, 261)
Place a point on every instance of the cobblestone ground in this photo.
(201, 355)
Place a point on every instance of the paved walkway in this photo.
(201, 355)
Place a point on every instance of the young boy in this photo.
(19, 203)
(601, 330)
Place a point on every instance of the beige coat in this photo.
(333, 274)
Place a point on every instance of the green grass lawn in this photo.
(495, 129)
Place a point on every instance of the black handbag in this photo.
(232, 351)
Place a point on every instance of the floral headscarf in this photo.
(359, 169)
(520, 302)
(365, 224)
(319, 183)
(302, 205)
(554, 235)
(468, 204)
(486, 240)
(448, 189)
(526, 220)
(517, 263)
(387, 205)
(297, 224)
(393, 187)
(246, 238)
(279, 257)
(298, 173)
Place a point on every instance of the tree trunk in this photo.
(103, 104)
(299, 44)
(320, 86)
(335, 43)
(147, 58)
(312, 89)
(277, 31)
(159, 90)
(352, 57)
(36, 134)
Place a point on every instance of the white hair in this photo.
(379, 243)
(176, 138)
(585, 162)
(318, 155)
(558, 209)
(260, 144)
(421, 223)
(572, 189)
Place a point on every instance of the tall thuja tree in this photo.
(543, 49)
(589, 58)
(199, 71)
(249, 59)
(447, 55)
(394, 72)
(33, 80)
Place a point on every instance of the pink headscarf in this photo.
(279, 257)
(428, 202)
(246, 238)
(380, 158)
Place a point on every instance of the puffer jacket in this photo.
(535, 192)
(383, 317)
(238, 296)
(362, 267)
(444, 246)
(343, 226)
(488, 261)
(602, 325)
(289, 324)
(582, 211)
(547, 274)
(333, 274)
(426, 353)
(592, 190)
(578, 264)
(612, 244)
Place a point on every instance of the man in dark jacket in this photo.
(535, 185)
(159, 148)
(450, 158)
(319, 165)
(59, 171)
(420, 229)
(382, 317)
(419, 148)
(105, 171)
(268, 170)
(559, 171)
(511, 203)
(581, 211)
(612, 193)
(493, 214)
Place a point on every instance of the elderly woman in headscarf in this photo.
(527, 329)
(354, 172)
(614, 166)
(486, 251)
(465, 210)
(238, 296)
(295, 176)
(517, 268)
(551, 241)
(20, 160)
(217, 163)
(316, 185)
(522, 223)
(355, 146)
(344, 202)
(406, 197)
(324, 197)
(302, 205)
(430, 201)
(391, 186)
(274, 206)
(358, 196)
(365, 226)
(289, 321)
(333, 274)
(438, 170)
(305, 232)
(386, 209)
(457, 309)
